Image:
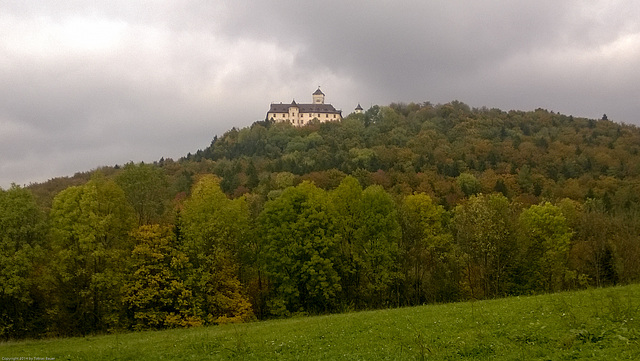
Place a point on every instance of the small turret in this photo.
(359, 109)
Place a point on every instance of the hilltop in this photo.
(528, 156)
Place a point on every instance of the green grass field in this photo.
(599, 324)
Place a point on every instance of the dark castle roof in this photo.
(304, 108)
(318, 92)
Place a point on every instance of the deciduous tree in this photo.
(22, 275)
(213, 228)
(376, 248)
(546, 239)
(428, 257)
(484, 228)
(146, 188)
(90, 227)
(155, 292)
(300, 248)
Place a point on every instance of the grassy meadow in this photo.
(596, 324)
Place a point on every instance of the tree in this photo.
(483, 227)
(546, 239)
(428, 257)
(146, 189)
(469, 184)
(22, 281)
(89, 231)
(346, 200)
(155, 294)
(368, 235)
(252, 175)
(376, 248)
(213, 228)
(300, 248)
(592, 251)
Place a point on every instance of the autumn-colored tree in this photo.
(155, 292)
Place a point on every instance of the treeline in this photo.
(402, 205)
(95, 263)
(528, 156)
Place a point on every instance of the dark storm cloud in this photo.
(93, 83)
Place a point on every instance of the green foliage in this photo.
(146, 189)
(368, 234)
(376, 248)
(428, 256)
(346, 200)
(155, 293)
(213, 228)
(484, 228)
(469, 184)
(300, 245)
(90, 227)
(546, 239)
(22, 281)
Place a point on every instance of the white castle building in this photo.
(302, 114)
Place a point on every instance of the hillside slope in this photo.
(418, 147)
(599, 324)
(529, 156)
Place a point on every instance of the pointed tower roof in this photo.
(294, 104)
(359, 107)
(318, 92)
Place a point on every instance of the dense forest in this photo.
(403, 205)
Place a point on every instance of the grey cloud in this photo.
(178, 72)
(404, 49)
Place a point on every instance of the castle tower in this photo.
(359, 109)
(294, 111)
(318, 97)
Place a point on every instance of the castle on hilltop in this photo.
(302, 114)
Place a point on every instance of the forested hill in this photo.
(447, 151)
(403, 205)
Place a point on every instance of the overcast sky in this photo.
(91, 83)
